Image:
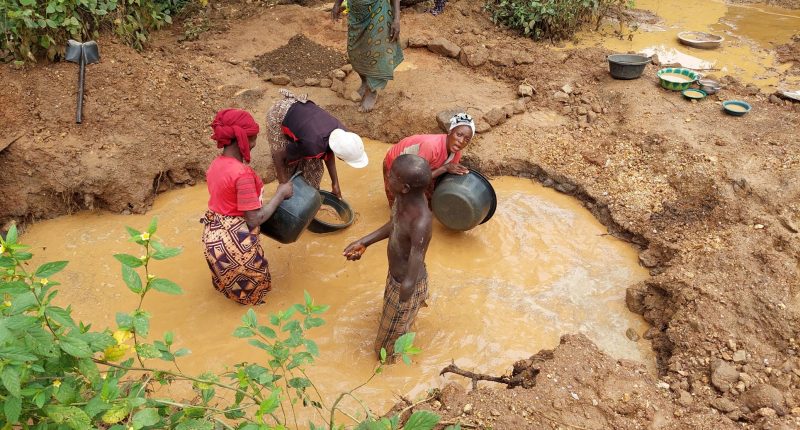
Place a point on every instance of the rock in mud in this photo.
(525, 90)
(443, 117)
(473, 56)
(723, 405)
(632, 335)
(281, 79)
(764, 396)
(724, 376)
(523, 58)
(444, 47)
(495, 117)
(417, 42)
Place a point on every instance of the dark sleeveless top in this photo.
(308, 126)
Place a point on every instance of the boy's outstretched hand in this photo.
(354, 251)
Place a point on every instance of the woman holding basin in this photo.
(441, 151)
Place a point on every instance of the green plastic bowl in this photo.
(676, 78)
(694, 94)
(736, 107)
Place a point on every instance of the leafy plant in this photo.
(56, 373)
(40, 28)
(551, 19)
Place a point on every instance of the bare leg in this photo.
(363, 88)
(368, 102)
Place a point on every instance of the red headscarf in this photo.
(234, 123)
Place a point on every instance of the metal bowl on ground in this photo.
(627, 66)
(709, 86)
(294, 214)
(343, 211)
(676, 78)
(736, 107)
(698, 39)
(462, 202)
(694, 94)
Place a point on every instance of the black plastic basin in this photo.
(294, 214)
(627, 66)
(462, 202)
(342, 209)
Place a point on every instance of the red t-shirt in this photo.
(431, 147)
(234, 187)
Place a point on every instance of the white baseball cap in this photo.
(349, 147)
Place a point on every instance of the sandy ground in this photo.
(711, 200)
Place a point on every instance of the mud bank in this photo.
(710, 199)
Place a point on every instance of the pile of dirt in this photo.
(790, 53)
(300, 58)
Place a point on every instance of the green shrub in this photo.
(58, 373)
(40, 28)
(551, 19)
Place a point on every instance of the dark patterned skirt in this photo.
(397, 316)
(236, 259)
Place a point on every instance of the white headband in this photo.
(462, 119)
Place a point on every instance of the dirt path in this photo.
(711, 200)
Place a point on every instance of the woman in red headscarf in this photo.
(235, 211)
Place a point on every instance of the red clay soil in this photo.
(711, 201)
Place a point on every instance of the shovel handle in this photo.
(79, 112)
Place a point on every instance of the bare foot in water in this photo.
(368, 102)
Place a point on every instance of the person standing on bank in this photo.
(302, 136)
(373, 44)
(239, 269)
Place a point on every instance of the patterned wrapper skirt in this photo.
(233, 253)
(369, 46)
(397, 316)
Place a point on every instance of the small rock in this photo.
(525, 90)
(766, 412)
(520, 105)
(734, 416)
(473, 56)
(724, 376)
(566, 110)
(597, 108)
(591, 116)
(662, 385)
(417, 42)
(567, 88)
(436, 404)
(509, 110)
(468, 408)
(501, 59)
(444, 47)
(266, 76)
(299, 82)
(495, 117)
(325, 83)
(630, 332)
(312, 82)
(764, 396)
(281, 79)
(739, 356)
(751, 90)
(481, 126)
(684, 398)
(347, 68)
(234, 61)
(495, 413)
(560, 95)
(582, 110)
(354, 96)
(775, 99)
(338, 74)
(451, 394)
(723, 405)
(523, 58)
(337, 86)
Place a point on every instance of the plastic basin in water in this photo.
(461, 202)
(342, 209)
(294, 214)
(627, 66)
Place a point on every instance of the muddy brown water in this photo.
(542, 267)
(751, 34)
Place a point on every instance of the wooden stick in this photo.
(475, 377)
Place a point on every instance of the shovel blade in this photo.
(74, 51)
(91, 52)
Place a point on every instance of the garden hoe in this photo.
(83, 54)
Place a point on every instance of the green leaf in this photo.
(49, 269)
(153, 225)
(15, 287)
(181, 352)
(124, 321)
(249, 318)
(169, 337)
(133, 232)
(403, 342)
(128, 260)
(195, 424)
(267, 332)
(147, 350)
(311, 347)
(15, 353)
(312, 322)
(456, 426)
(146, 417)
(307, 298)
(95, 406)
(117, 413)
(165, 286)
(73, 417)
(12, 234)
(141, 323)
(162, 252)
(383, 355)
(270, 404)
(242, 332)
(12, 409)
(60, 315)
(299, 383)
(422, 420)
(10, 377)
(132, 279)
(74, 346)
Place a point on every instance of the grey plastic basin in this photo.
(294, 214)
(462, 202)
